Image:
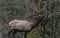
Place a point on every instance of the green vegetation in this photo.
(15, 9)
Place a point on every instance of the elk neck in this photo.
(37, 21)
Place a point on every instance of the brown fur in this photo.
(24, 24)
(20, 25)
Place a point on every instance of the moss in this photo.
(35, 33)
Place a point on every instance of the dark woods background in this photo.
(28, 10)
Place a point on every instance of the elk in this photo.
(24, 25)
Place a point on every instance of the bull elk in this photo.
(24, 25)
